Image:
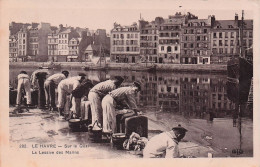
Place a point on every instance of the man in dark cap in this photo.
(65, 88)
(125, 95)
(50, 85)
(98, 92)
(165, 145)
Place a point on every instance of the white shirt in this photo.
(56, 78)
(23, 76)
(69, 84)
(162, 145)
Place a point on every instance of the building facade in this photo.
(149, 40)
(73, 49)
(23, 43)
(13, 49)
(196, 48)
(33, 41)
(125, 44)
(169, 39)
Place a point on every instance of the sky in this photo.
(101, 14)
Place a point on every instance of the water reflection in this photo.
(201, 96)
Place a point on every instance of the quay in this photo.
(43, 127)
(204, 68)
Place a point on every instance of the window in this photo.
(205, 30)
(232, 43)
(198, 38)
(220, 50)
(177, 56)
(215, 35)
(250, 34)
(226, 34)
(162, 48)
(176, 48)
(191, 45)
(165, 55)
(226, 50)
(128, 35)
(220, 35)
(226, 42)
(231, 51)
(220, 43)
(232, 34)
(169, 49)
(214, 43)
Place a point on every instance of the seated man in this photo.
(165, 145)
(98, 92)
(65, 88)
(109, 102)
(49, 87)
(23, 82)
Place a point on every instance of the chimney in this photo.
(236, 19)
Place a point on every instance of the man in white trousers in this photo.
(65, 88)
(23, 82)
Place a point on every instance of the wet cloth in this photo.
(23, 82)
(49, 87)
(162, 145)
(66, 87)
(95, 96)
(135, 142)
(109, 102)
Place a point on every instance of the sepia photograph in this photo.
(124, 80)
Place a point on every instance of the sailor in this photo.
(97, 93)
(23, 82)
(65, 88)
(124, 95)
(40, 78)
(165, 145)
(49, 87)
(77, 94)
(34, 79)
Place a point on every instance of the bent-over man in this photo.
(49, 87)
(65, 88)
(124, 95)
(23, 82)
(98, 92)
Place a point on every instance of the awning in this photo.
(72, 57)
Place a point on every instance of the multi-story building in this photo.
(73, 49)
(195, 47)
(63, 42)
(33, 41)
(225, 37)
(125, 44)
(169, 39)
(13, 50)
(149, 39)
(248, 38)
(23, 42)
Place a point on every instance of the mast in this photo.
(241, 36)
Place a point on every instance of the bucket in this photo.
(118, 140)
(95, 135)
(75, 124)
